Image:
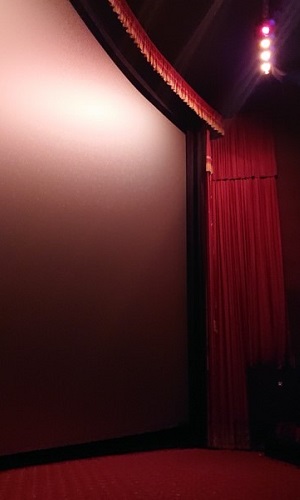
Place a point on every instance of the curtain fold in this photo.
(246, 301)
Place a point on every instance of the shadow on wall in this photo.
(273, 402)
(293, 304)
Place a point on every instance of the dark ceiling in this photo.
(213, 45)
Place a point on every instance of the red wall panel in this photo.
(288, 158)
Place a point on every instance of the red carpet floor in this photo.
(168, 474)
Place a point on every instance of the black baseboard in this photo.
(171, 438)
(285, 451)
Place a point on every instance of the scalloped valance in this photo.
(160, 64)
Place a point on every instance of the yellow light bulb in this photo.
(265, 55)
(265, 43)
(266, 68)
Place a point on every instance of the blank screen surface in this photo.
(93, 242)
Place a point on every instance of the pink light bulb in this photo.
(265, 30)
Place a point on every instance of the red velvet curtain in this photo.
(246, 317)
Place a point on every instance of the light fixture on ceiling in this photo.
(266, 39)
(266, 46)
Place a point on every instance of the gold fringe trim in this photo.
(164, 68)
(209, 165)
